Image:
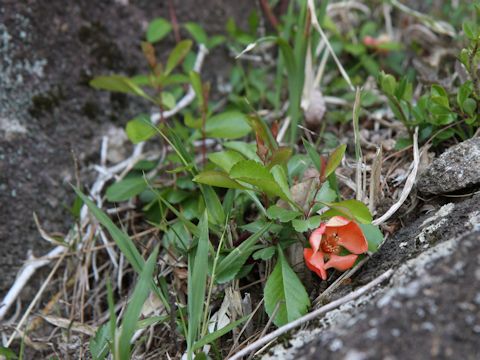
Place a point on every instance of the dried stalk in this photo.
(408, 184)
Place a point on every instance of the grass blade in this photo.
(123, 241)
(140, 294)
(218, 333)
(230, 265)
(197, 283)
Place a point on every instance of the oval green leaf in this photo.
(225, 159)
(227, 125)
(177, 55)
(217, 178)
(335, 159)
(158, 29)
(285, 293)
(126, 189)
(140, 129)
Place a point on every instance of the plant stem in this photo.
(204, 123)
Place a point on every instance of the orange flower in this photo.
(328, 240)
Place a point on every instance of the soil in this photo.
(49, 50)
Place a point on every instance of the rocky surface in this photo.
(430, 308)
(456, 169)
(49, 50)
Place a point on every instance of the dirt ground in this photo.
(49, 50)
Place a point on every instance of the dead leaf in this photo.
(71, 325)
(316, 109)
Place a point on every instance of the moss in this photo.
(46, 102)
(90, 109)
(101, 45)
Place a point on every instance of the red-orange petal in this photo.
(351, 238)
(314, 261)
(341, 263)
(316, 237)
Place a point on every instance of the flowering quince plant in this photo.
(329, 240)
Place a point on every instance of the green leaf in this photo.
(211, 337)
(464, 92)
(388, 83)
(214, 206)
(256, 174)
(352, 209)
(335, 159)
(152, 320)
(196, 82)
(76, 208)
(443, 135)
(469, 106)
(112, 321)
(470, 30)
(313, 155)
(301, 225)
(99, 344)
(217, 178)
(125, 189)
(158, 29)
(197, 283)
(373, 235)
(285, 292)
(464, 56)
(326, 193)
(191, 122)
(280, 178)
(196, 32)
(117, 83)
(246, 149)
(230, 265)
(227, 125)
(275, 212)
(141, 80)
(264, 254)
(134, 307)
(297, 165)
(225, 159)
(215, 40)
(402, 143)
(280, 156)
(9, 354)
(168, 100)
(439, 96)
(140, 129)
(262, 130)
(177, 55)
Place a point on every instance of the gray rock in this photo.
(456, 169)
(430, 308)
(49, 50)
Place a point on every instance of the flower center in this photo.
(329, 243)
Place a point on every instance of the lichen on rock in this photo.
(456, 169)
